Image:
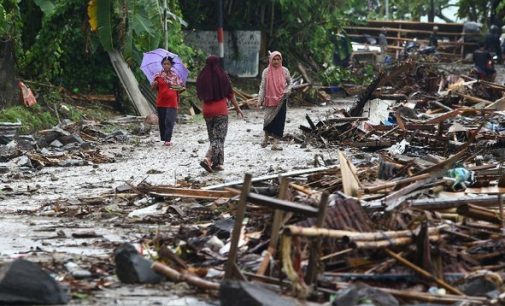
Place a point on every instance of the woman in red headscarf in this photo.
(273, 95)
(213, 87)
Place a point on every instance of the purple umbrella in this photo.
(151, 64)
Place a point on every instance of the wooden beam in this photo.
(259, 199)
(165, 191)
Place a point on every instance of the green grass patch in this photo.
(32, 119)
(39, 117)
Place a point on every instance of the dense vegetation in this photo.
(64, 42)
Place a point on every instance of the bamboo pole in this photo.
(479, 213)
(379, 244)
(484, 226)
(424, 273)
(294, 230)
(184, 276)
(460, 235)
(336, 254)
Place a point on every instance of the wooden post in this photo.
(237, 227)
(276, 227)
(311, 276)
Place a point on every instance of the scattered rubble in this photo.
(408, 210)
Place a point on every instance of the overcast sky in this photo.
(450, 13)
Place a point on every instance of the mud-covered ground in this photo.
(30, 227)
(31, 201)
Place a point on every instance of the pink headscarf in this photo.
(275, 82)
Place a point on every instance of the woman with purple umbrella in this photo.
(213, 87)
(168, 85)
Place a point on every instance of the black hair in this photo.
(170, 59)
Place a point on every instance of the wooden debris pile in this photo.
(422, 229)
(406, 107)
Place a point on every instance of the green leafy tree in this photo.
(485, 11)
(68, 51)
(10, 20)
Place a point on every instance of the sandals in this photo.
(168, 143)
(206, 165)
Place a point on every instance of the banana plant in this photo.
(126, 25)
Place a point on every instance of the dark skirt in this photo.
(275, 126)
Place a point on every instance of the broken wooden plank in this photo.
(350, 180)
(273, 176)
(306, 210)
(443, 117)
(498, 104)
(165, 191)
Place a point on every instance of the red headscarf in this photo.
(212, 83)
(275, 82)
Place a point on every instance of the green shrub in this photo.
(32, 119)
